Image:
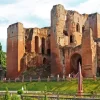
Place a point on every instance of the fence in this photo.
(55, 96)
(31, 79)
(62, 97)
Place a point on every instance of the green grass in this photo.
(89, 85)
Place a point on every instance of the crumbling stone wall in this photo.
(21, 48)
(88, 54)
(68, 37)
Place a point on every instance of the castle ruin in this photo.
(70, 39)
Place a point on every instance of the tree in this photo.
(3, 59)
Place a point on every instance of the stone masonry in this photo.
(71, 38)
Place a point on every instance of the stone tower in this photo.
(58, 15)
(15, 49)
(57, 37)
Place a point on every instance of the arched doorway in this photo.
(75, 60)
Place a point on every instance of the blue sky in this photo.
(7, 1)
(36, 13)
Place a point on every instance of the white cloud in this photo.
(29, 24)
(17, 12)
(90, 6)
(3, 32)
(40, 8)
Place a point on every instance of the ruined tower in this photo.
(15, 49)
(57, 37)
(58, 15)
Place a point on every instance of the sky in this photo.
(36, 13)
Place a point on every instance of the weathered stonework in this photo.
(71, 38)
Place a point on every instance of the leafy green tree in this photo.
(3, 59)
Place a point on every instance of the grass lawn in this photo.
(89, 85)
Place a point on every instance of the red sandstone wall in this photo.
(15, 49)
(88, 54)
(56, 67)
(12, 58)
(69, 52)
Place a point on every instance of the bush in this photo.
(1, 98)
(15, 97)
(7, 95)
(45, 97)
(20, 92)
(28, 98)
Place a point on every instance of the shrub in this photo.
(24, 87)
(45, 97)
(20, 92)
(15, 97)
(7, 95)
(28, 98)
(1, 98)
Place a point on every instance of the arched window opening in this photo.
(48, 52)
(44, 60)
(25, 37)
(36, 44)
(65, 33)
(48, 48)
(83, 29)
(49, 35)
(78, 27)
(43, 46)
(71, 39)
(98, 71)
